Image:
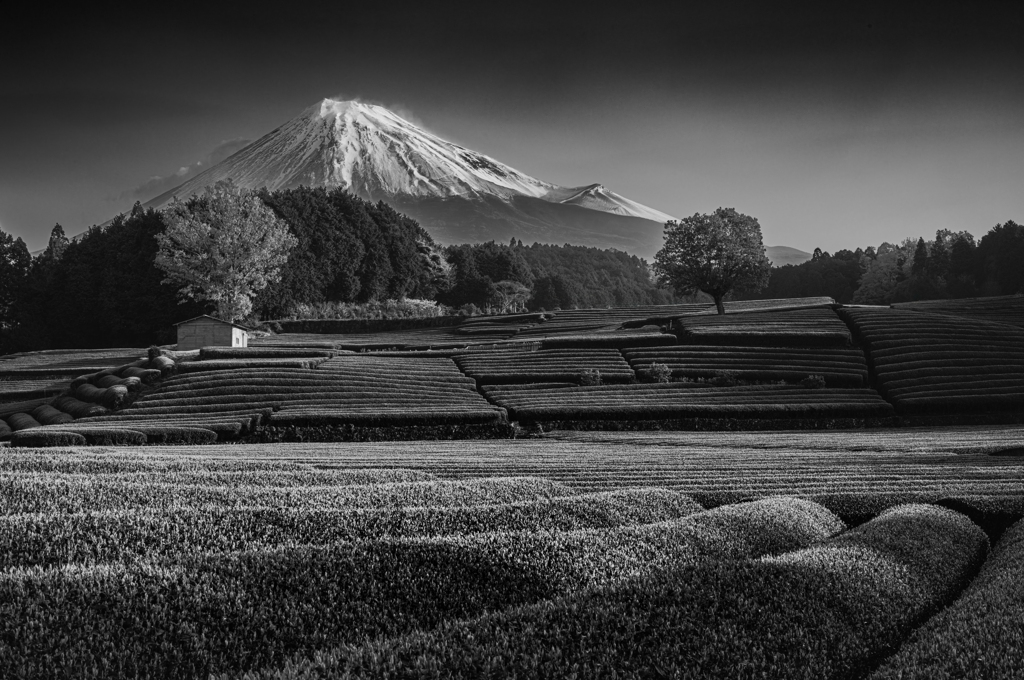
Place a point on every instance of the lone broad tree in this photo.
(223, 247)
(717, 253)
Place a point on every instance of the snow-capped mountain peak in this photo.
(377, 154)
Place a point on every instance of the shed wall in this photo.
(204, 333)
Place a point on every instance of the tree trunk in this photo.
(719, 304)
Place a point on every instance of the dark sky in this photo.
(835, 130)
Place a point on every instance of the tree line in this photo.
(952, 265)
(126, 283)
(254, 256)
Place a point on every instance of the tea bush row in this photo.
(110, 536)
(233, 611)
(829, 610)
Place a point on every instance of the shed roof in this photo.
(213, 318)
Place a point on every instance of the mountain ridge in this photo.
(378, 155)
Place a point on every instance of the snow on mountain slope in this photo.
(377, 154)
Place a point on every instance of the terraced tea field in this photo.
(775, 364)
(865, 554)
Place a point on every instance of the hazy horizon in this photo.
(833, 130)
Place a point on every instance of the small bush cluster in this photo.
(655, 373)
(813, 382)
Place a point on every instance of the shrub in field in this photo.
(813, 382)
(235, 611)
(43, 438)
(590, 377)
(825, 611)
(655, 373)
(979, 635)
(724, 379)
(48, 415)
(5, 429)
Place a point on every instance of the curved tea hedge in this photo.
(663, 401)
(119, 535)
(816, 327)
(935, 364)
(546, 365)
(841, 367)
(828, 610)
(243, 610)
(1007, 309)
(979, 634)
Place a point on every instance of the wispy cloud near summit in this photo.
(158, 184)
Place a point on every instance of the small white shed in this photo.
(206, 331)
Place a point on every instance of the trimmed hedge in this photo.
(5, 429)
(160, 434)
(679, 401)
(263, 353)
(44, 438)
(795, 328)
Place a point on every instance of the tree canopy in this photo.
(223, 247)
(717, 253)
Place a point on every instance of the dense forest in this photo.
(103, 289)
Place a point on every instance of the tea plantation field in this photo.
(860, 554)
(771, 364)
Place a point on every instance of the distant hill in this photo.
(783, 255)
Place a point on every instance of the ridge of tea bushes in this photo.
(44, 438)
(1008, 309)
(546, 365)
(841, 367)
(232, 611)
(107, 536)
(978, 635)
(815, 327)
(824, 611)
(22, 494)
(679, 400)
(933, 364)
